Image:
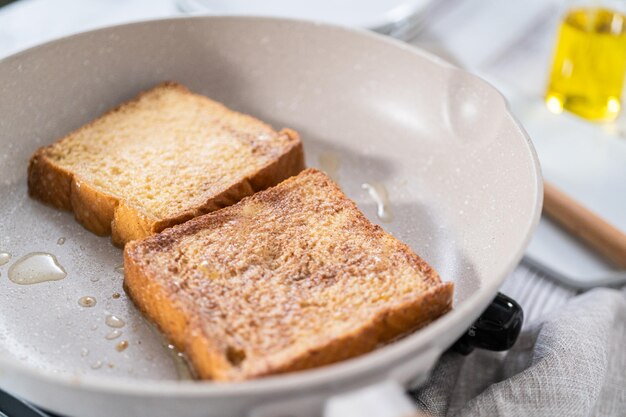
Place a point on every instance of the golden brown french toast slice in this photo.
(163, 158)
(288, 279)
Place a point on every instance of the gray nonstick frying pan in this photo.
(462, 180)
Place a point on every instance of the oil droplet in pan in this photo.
(96, 365)
(36, 267)
(379, 194)
(87, 301)
(183, 370)
(114, 321)
(121, 346)
(4, 257)
(180, 363)
(61, 241)
(113, 334)
(119, 269)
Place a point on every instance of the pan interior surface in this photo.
(460, 175)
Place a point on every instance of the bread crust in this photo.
(160, 301)
(387, 325)
(105, 214)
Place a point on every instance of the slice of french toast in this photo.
(161, 159)
(288, 279)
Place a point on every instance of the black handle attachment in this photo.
(13, 407)
(496, 329)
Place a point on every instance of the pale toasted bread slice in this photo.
(290, 278)
(163, 158)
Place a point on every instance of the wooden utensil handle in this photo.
(605, 238)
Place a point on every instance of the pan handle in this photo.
(385, 399)
(496, 329)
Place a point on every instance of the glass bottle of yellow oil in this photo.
(589, 63)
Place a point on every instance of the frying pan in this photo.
(462, 178)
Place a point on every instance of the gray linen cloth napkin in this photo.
(571, 362)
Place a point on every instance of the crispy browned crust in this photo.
(159, 302)
(388, 325)
(104, 214)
